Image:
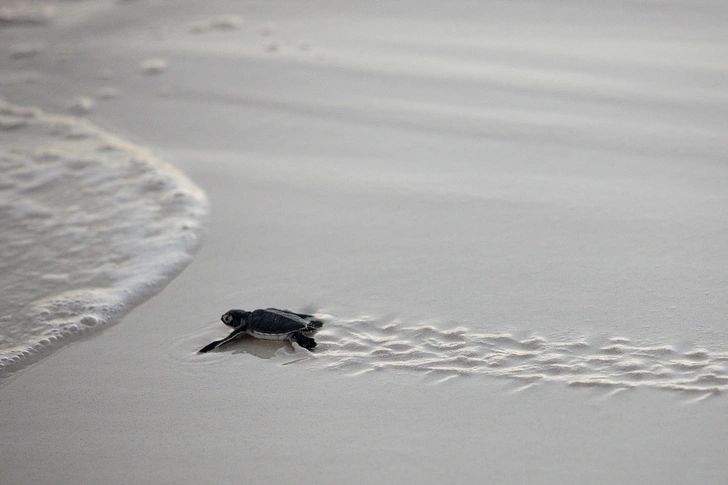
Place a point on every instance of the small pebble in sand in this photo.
(304, 45)
(272, 46)
(81, 106)
(153, 67)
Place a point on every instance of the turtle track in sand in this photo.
(365, 344)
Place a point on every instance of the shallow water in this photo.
(91, 226)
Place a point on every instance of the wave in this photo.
(92, 225)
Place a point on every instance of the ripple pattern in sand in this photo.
(364, 345)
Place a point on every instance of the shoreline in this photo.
(88, 263)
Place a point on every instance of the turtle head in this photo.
(235, 318)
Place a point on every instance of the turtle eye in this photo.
(227, 318)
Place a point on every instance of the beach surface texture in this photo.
(510, 216)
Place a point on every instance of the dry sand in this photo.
(511, 217)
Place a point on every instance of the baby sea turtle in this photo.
(269, 324)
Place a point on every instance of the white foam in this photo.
(91, 226)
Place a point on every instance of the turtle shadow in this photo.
(263, 349)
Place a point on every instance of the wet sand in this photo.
(511, 219)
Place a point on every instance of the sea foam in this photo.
(92, 225)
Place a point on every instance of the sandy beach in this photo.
(511, 219)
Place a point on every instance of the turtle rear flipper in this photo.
(213, 345)
(306, 342)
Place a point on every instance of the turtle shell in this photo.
(275, 322)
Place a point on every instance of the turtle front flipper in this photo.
(306, 342)
(213, 345)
